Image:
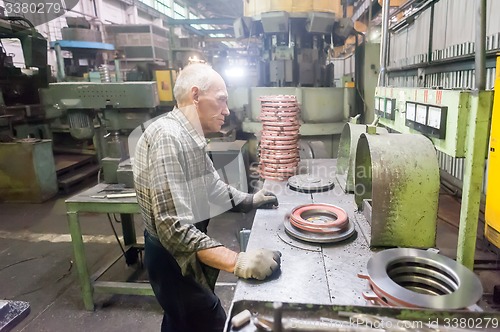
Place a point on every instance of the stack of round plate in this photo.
(320, 223)
(279, 152)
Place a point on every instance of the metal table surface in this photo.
(310, 273)
(88, 201)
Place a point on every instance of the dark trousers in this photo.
(187, 305)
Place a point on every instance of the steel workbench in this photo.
(310, 273)
(93, 200)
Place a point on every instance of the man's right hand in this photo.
(258, 264)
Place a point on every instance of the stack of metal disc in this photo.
(279, 151)
(319, 223)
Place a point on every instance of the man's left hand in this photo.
(264, 199)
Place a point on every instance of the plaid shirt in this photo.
(175, 182)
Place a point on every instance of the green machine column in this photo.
(481, 103)
(476, 145)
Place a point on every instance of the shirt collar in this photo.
(199, 139)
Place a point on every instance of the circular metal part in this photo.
(319, 218)
(318, 237)
(418, 278)
(308, 183)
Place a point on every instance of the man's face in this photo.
(212, 106)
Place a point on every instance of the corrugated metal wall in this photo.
(454, 28)
(453, 35)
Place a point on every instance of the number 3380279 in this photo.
(18, 8)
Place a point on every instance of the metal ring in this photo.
(318, 237)
(304, 217)
(393, 275)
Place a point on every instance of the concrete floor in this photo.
(36, 266)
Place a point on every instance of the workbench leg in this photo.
(81, 260)
(129, 238)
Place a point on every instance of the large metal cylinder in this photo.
(399, 173)
(347, 153)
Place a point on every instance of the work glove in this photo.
(258, 264)
(264, 199)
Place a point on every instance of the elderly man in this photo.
(175, 181)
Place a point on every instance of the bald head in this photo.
(202, 89)
(198, 75)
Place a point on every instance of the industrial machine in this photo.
(145, 54)
(105, 113)
(21, 114)
(105, 93)
(87, 51)
(27, 167)
(297, 41)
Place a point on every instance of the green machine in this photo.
(105, 113)
(27, 166)
(21, 114)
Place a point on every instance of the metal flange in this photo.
(308, 183)
(418, 278)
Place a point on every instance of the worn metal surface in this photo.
(457, 102)
(12, 313)
(348, 258)
(302, 276)
(321, 315)
(90, 95)
(309, 273)
(309, 184)
(400, 173)
(347, 153)
(92, 200)
(477, 143)
(27, 171)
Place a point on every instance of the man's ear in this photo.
(195, 93)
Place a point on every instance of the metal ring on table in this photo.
(418, 278)
(303, 235)
(301, 217)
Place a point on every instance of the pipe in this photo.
(481, 46)
(384, 47)
(61, 75)
(369, 27)
(431, 33)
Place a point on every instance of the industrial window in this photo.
(161, 6)
(180, 12)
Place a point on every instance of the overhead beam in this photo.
(219, 39)
(223, 31)
(214, 21)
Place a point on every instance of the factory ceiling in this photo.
(218, 8)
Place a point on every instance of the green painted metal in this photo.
(116, 287)
(457, 116)
(477, 143)
(400, 173)
(366, 76)
(80, 260)
(129, 237)
(88, 201)
(27, 171)
(347, 153)
(91, 95)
